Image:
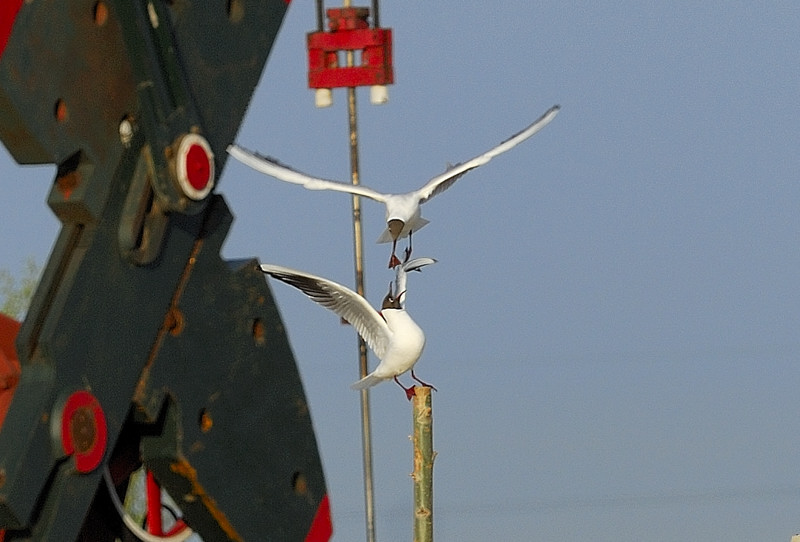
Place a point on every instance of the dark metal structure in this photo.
(141, 345)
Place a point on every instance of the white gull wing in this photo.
(273, 168)
(442, 182)
(341, 300)
(401, 275)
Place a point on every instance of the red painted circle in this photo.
(84, 433)
(194, 167)
(198, 167)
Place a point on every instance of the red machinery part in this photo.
(8, 12)
(321, 528)
(349, 31)
(195, 166)
(84, 433)
(154, 525)
(9, 366)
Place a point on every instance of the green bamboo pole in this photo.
(424, 455)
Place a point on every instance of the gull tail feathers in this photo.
(386, 236)
(367, 382)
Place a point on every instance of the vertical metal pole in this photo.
(363, 369)
(320, 16)
(376, 19)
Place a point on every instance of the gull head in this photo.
(390, 301)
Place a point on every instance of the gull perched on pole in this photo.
(391, 333)
(402, 210)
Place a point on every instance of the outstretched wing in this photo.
(341, 300)
(273, 168)
(442, 182)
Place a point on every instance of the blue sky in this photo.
(613, 321)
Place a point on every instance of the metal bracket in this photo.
(349, 31)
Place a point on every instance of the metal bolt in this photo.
(299, 483)
(235, 10)
(205, 421)
(83, 430)
(126, 131)
(151, 12)
(259, 332)
(60, 111)
(174, 321)
(100, 13)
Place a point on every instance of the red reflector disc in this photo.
(195, 166)
(198, 168)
